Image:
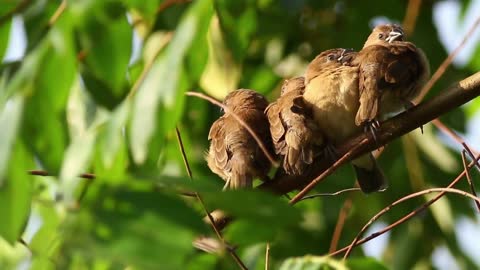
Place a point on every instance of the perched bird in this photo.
(392, 73)
(234, 155)
(292, 127)
(331, 89)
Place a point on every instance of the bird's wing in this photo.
(277, 129)
(218, 146)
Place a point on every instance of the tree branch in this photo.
(449, 99)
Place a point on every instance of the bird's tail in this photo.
(299, 153)
(241, 176)
(369, 175)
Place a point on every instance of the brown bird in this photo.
(392, 73)
(234, 155)
(332, 91)
(292, 127)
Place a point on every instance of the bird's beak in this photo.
(394, 35)
(341, 55)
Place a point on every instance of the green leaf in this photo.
(312, 263)
(4, 37)
(45, 107)
(365, 264)
(234, 13)
(147, 9)
(222, 72)
(106, 39)
(77, 159)
(162, 91)
(47, 235)
(435, 150)
(111, 157)
(257, 206)
(15, 194)
(10, 118)
(144, 229)
(247, 232)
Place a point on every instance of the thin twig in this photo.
(330, 194)
(57, 13)
(168, 3)
(472, 155)
(326, 173)
(267, 256)
(342, 217)
(450, 98)
(410, 196)
(184, 155)
(443, 67)
(18, 8)
(409, 215)
(469, 178)
(447, 131)
(411, 16)
(202, 203)
(240, 120)
(90, 176)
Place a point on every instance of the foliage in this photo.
(86, 98)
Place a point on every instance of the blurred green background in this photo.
(98, 86)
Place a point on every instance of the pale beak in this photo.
(341, 55)
(394, 35)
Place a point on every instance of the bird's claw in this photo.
(331, 152)
(372, 127)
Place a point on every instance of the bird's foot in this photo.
(372, 126)
(330, 152)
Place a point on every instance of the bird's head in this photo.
(385, 33)
(330, 57)
(292, 84)
(245, 98)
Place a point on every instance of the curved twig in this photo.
(331, 194)
(409, 215)
(410, 196)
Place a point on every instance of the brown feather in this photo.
(292, 131)
(234, 155)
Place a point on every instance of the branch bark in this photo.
(449, 99)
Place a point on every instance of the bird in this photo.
(331, 90)
(392, 72)
(292, 128)
(234, 155)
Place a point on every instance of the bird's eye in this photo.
(331, 57)
(380, 36)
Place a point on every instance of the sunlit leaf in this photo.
(77, 158)
(312, 263)
(365, 264)
(4, 37)
(106, 40)
(45, 107)
(254, 205)
(136, 228)
(222, 71)
(111, 156)
(15, 194)
(435, 150)
(230, 15)
(10, 117)
(163, 88)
